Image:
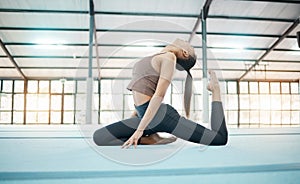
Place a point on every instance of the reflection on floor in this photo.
(61, 154)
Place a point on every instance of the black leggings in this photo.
(167, 120)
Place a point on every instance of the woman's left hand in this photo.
(133, 140)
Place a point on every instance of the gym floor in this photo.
(61, 154)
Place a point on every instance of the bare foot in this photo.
(214, 86)
(156, 139)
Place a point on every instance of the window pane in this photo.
(68, 117)
(285, 87)
(43, 102)
(117, 87)
(286, 117)
(276, 117)
(7, 86)
(197, 87)
(106, 86)
(68, 102)
(19, 86)
(265, 117)
(125, 84)
(18, 117)
(18, 102)
(232, 117)
(243, 87)
(265, 103)
(275, 87)
(286, 102)
(56, 102)
(295, 117)
(6, 102)
(254, 117)
(253, 87)
(43, 117)
(32, 86)
(254, 102)
(198, 102)
(31, 117)
(223, 87)
(244, 117)
(96, 102)
(275, 102)
(167, 98)
(55, 117)
(264, 87)
(56, 86)
(231, 87)
(70, 87)
(106, 102)
(31, 102)
(295, 105)
(110, 117)
(231, 102)
(80, 102)
(294, 88)
(96, 86)
(244, 102)
(5, 117)
(44, 87)
(177, 101)
(129, 103)
(177, 87)
(81, 86)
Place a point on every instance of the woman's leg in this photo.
(117, 133)
(193, 132)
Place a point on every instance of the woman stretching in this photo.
(151, 78)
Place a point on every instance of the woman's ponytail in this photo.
(187, 64)
(188, 88)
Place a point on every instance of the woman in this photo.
(151, 79)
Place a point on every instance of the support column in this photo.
(25, 101)
(89, 80)
(205, 115)
(239, 104)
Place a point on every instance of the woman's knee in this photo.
(224, 140)
(220, 140)
(98, 137)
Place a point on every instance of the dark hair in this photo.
(187, 64)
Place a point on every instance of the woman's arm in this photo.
(167, 68)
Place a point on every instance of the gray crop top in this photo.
(144, 77)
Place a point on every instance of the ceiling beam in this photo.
(140, 31)
(204, 10)
(267, 19)
(272, 1)
(5, 10)
(12, 59)
(277, 42)
(130, 68)
(128, 57)
(138, 46)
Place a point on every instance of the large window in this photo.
(246, 104)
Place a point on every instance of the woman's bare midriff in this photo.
(140, 98)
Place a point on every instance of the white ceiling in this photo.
(49, 39)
